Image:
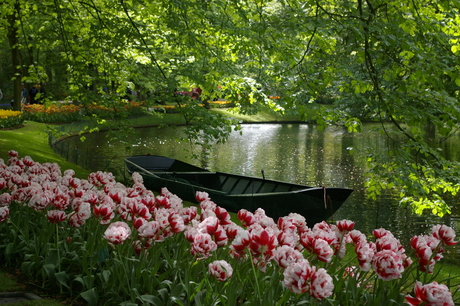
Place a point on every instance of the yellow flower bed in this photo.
(221, 103)
(10, 118)
(6, 113)
(69, 112)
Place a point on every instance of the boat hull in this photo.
(236, 192)
(315, 204)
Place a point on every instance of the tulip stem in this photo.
(255, 274)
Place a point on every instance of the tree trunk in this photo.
(13, 40)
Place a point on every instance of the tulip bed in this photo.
(64, 112)
(10, 118)
(107, 243)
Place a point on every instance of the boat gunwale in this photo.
(303, 188)
(260, 194)
(156, 174)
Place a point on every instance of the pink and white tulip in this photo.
(432, 294)
(117, 232)
(4, 213)
(388, 265)
(221, 270)
(298, 275)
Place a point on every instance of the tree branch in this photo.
(125, 9)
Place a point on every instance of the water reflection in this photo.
(298, 153)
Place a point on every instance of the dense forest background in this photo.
(376, 60)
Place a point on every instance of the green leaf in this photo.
(151, 299)
(90, 296)
(62, 278)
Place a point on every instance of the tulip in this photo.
(220, 269)
(321, 285)
(345, 225)
(203, 245)
(117, 232)
(432, 294)
(246, 217)
(176, 222)
(298, 275)
(56, 216)
(444, 233)
(388, 265)
(4, 213)
(149, 230)
(285, 255)
(201, 196)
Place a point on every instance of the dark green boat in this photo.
(235, 192)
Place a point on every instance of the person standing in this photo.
(24, 95)
(1, 94)
(32, 94)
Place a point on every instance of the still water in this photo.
(297, 153)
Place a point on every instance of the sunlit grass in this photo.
(32, 140)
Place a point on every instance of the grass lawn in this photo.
(32, 140)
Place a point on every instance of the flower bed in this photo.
(67, 112)
(222, 104)
(10, 118)
(109, 243)
(52, 113)
(116, 110)
(169, 109)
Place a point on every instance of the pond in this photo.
(297, 153)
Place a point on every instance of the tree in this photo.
(395, 61)
(376, 60)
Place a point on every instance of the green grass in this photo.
(263, 116)
(7, 284)
(32, 140)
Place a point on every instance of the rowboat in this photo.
(234, 192)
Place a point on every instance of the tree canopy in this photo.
(388, 61)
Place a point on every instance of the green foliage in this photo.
(374, 60)
(204, 127)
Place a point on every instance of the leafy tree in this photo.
(394, 61)
(387, 61)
